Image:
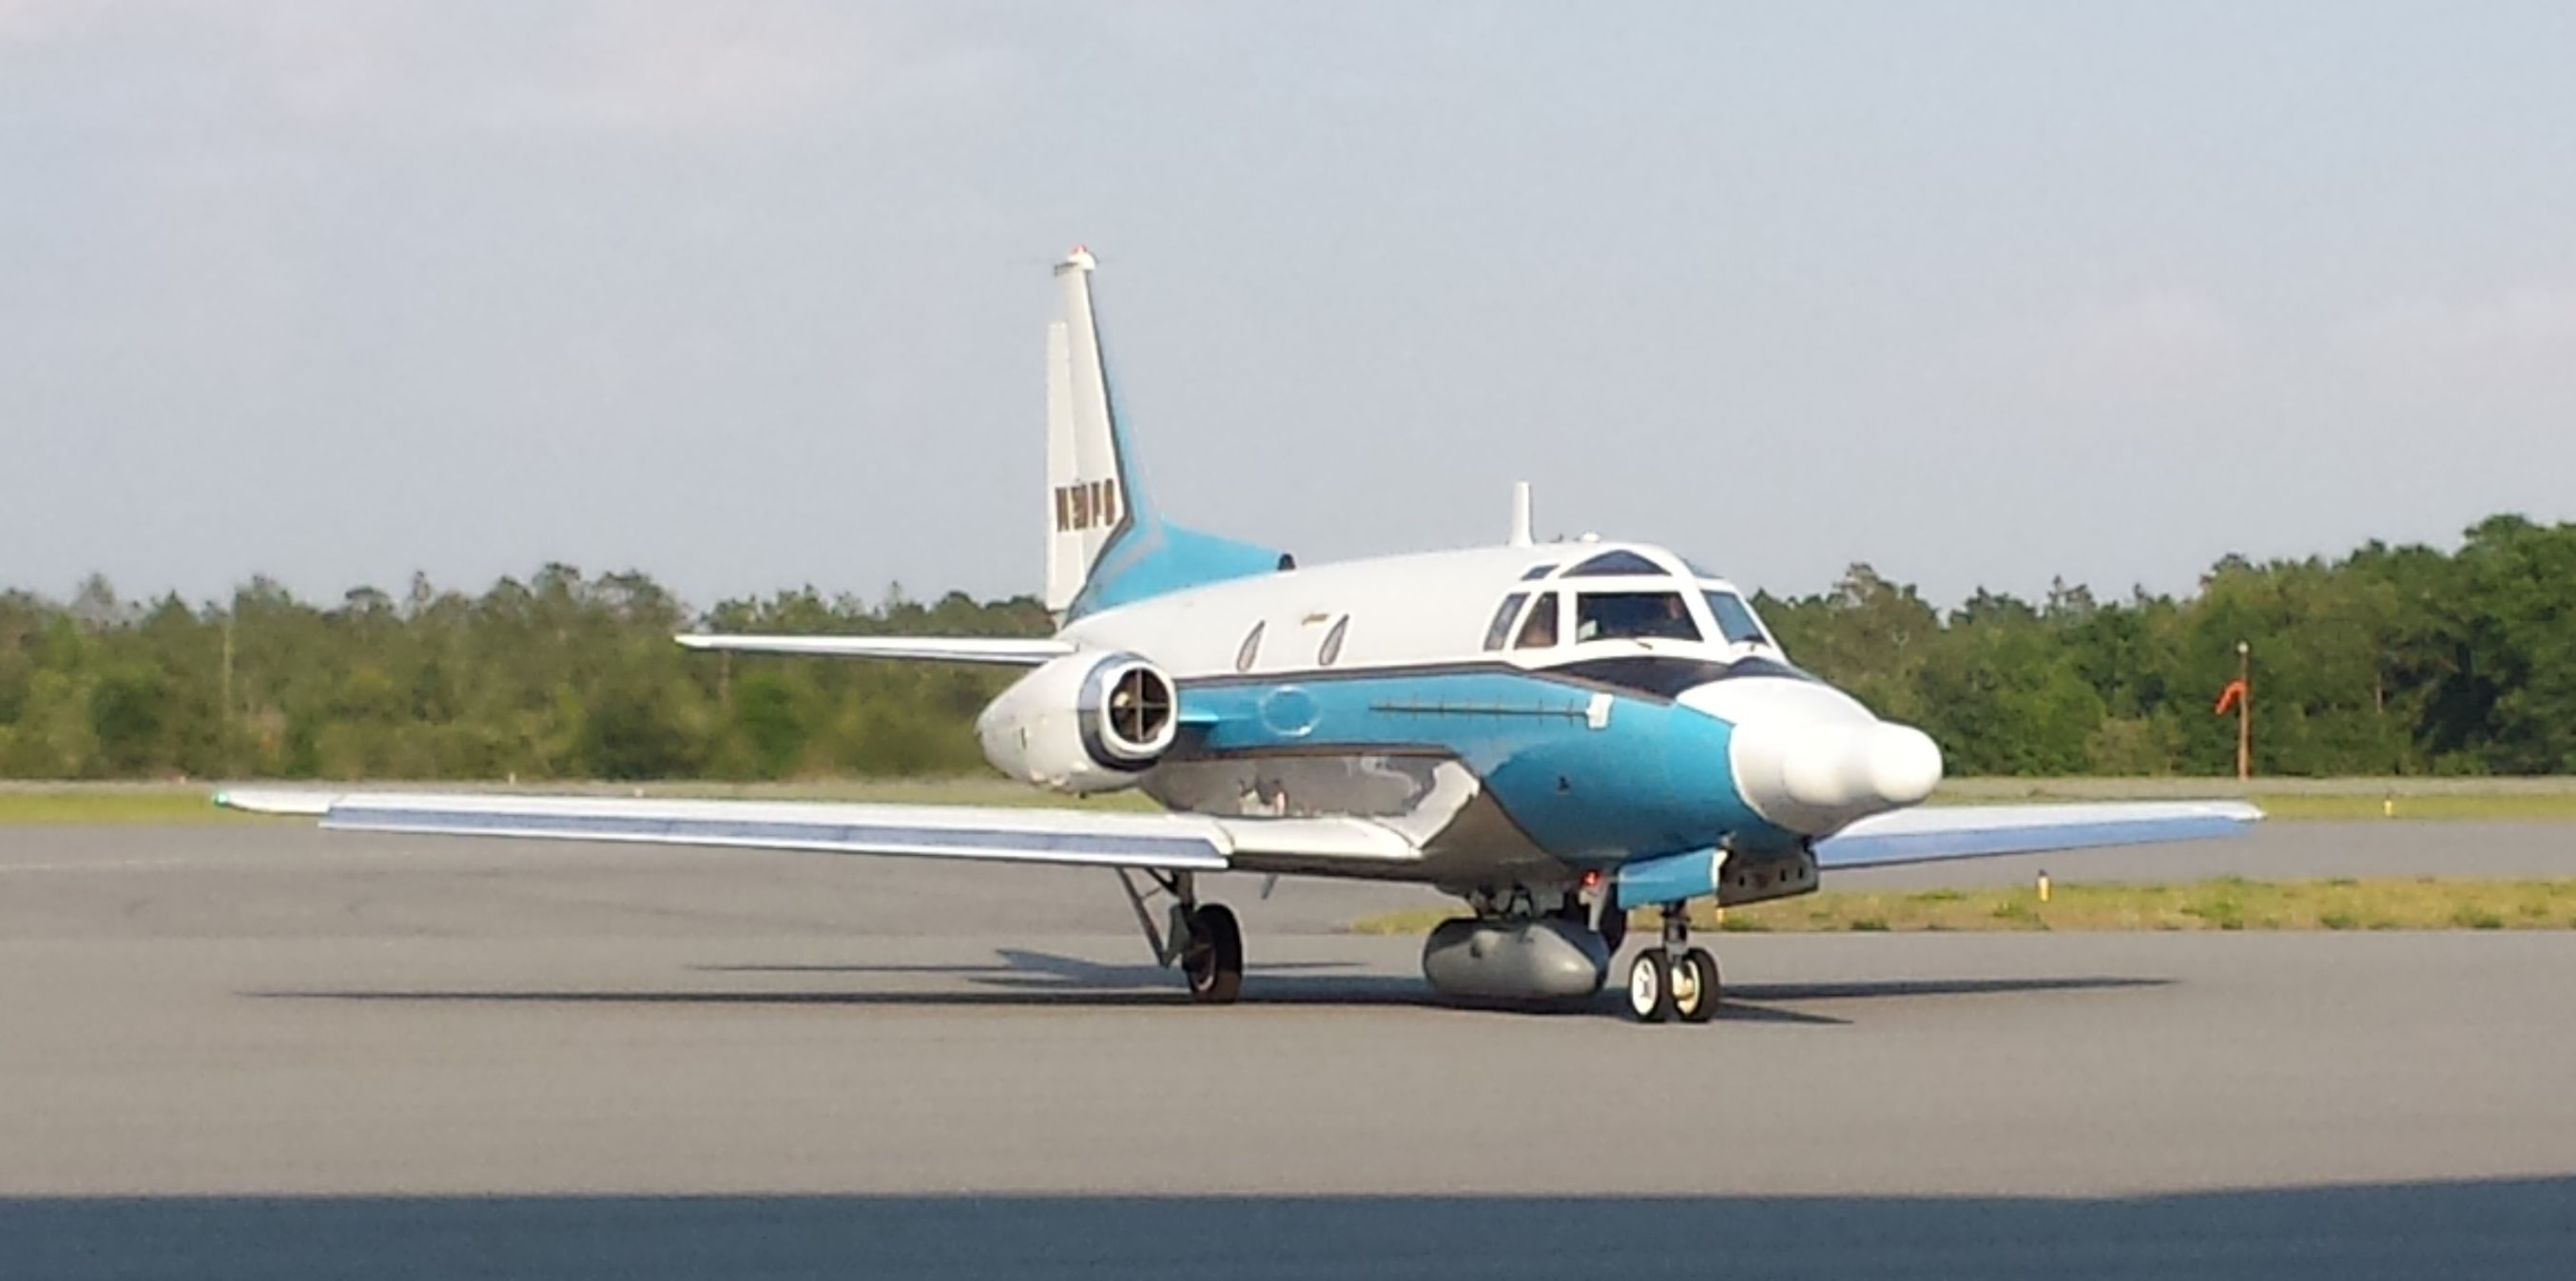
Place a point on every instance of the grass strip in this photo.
(2526, 808)
(116, 807)
(2227, 904)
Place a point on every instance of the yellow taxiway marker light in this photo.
(2043, 886)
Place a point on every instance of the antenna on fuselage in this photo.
(1521, 514)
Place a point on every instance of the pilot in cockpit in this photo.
(1540, 631)
(1634, 616)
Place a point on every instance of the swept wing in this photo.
(1171, 842)
(1935, 832)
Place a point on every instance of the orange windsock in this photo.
(2235, 693)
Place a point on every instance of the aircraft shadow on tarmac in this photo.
(1023, 978)
(1020, 968)
(2507, 1228)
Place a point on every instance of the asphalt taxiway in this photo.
(255, 1050)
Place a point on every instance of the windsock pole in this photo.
(2239, 695)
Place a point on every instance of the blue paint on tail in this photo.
(1149, 556)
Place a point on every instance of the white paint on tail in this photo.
(1088, 496)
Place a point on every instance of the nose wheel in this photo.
(1673, 980)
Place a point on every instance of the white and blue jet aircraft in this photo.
(1555, 733)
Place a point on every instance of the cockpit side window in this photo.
(1540, 631)
(1609, 564)
(1539, 571)
(1634, 615)
(1499, 630)
(1735, 619)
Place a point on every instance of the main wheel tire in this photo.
(1695, 997)
(1650, 987)
(1214, 958)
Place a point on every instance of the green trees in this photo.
(2400, 660)
(560, 676)
(2388, 661)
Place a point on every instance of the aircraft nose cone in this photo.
(1904, 764)
(1809, 759)
(1844, 771)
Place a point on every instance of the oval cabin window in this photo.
(1332, 650)
(1244, 657)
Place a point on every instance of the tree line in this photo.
(2390, 660)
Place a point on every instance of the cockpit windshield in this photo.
(1613, 615)
(1615, 563)
(1735, 619)
(1500, 630)
(1539, 632)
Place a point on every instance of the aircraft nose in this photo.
(1810, 759)
(1814, 778)
(1871, 766)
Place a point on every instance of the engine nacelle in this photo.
(1086, 722)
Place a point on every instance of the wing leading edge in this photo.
(1985, 831)
(1172, 842)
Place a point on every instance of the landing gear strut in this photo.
(1673, 980)
(1203, 938)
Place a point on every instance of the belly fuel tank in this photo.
(1547, 959)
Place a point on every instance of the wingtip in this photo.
(2240, 811)
(291, 802)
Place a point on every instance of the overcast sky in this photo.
(751, 295)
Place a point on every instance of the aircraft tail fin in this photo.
(1107, 544)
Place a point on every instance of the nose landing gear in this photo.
(1673, 980)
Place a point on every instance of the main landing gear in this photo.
(1203, 938)
(1213, 956)
(1673, 980)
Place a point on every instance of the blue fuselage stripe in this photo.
(1639, 777)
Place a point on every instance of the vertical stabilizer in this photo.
(1088, 490)
(1106, 544)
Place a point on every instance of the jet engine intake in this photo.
(1086, 722)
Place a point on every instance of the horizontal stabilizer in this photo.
(1005, 651)
(1985, 831)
